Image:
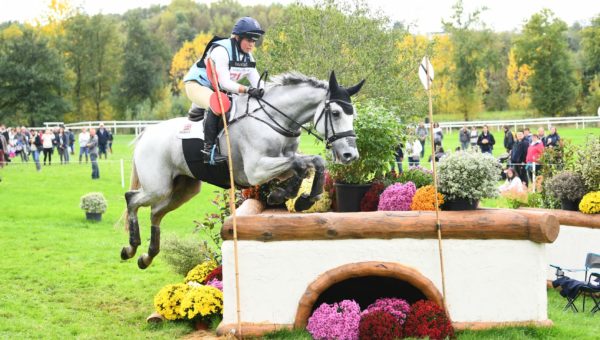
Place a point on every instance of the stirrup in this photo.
(212, 157)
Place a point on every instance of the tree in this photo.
(188, 54)
(144, 68)
(518, 76)
(591, 64)
(31, 80)
(471, 53)
(355, 43)
(543, 46)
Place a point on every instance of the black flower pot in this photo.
(460, 204)
(566, 204)
(348, 196)
(93, 216)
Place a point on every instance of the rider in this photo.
(233, 61)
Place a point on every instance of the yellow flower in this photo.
(202, 301)
(168, 301)
(322, 205)
(590, 203)
(201, 271)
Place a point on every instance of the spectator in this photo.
(534, 152)
(71, 136)
(438, 134)
(93, 149)
(3, 146)
(102, 135)
(21, 144)
(518, 155)
(36, 148)
(464, 138)
(509, 139)
(541, 135)
(48, 144)
(527, 135)
(84, 138)
(414, 152)
(439, 154)
(399, 156)
(474, 136)
(422, 135)
(486, 141)
(513, 182)
(553, 139)
(110, 140)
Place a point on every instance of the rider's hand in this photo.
(256, 93)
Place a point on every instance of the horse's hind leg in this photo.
(134, 199)
(184, 188)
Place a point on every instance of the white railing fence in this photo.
(532, 123)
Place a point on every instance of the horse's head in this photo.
(335, 121)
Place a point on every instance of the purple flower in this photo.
(397, 197)
(337, 321)
(399, 308)
(216, 283)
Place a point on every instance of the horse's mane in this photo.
(296, 78)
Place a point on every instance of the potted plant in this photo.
(94, 205)
(465, 177)
(378, 133)
(568, 187)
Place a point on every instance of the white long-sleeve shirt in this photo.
(228, 80)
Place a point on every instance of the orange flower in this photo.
(424, 199)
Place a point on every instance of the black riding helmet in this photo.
(248, 27)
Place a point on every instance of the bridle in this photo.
(330, 134)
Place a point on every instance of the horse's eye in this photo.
(335, 113)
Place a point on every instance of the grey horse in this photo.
(264, 144)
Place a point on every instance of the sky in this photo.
(422, 16)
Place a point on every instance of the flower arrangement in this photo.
(427, 319)
(470, 175)
(567, 185)
(329, 188)
(321, 205)
(335, 321)
(379, 325)
(516, 197)
(418, 175)
(370, 200)
(201, 271)
(217, 273)
(398, 308)
(169, 299)
(397, 197)
(424, 198)
(93, 202)
(215, 283)
(590, 203)
(202, 302)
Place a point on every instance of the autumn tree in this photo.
(543, 46)
(518, 77)
(187, 55)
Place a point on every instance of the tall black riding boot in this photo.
(211, 125)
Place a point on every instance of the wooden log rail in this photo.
(476, 224)
(572, 218)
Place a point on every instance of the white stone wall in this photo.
(486, 280)
(570, 249)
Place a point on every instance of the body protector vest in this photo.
(240, 63)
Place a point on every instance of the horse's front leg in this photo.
(267, 168)
(306, 201)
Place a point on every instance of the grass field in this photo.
(61, 276)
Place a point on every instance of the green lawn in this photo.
(61, 276)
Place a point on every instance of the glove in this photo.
(256, 93)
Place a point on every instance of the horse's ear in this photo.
(354, 89)
(333, 84)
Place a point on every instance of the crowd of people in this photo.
(41, 144)
(523, 149)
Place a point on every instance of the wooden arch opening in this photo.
(408, 278)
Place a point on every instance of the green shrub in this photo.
(469, 175)
(94, 202)
(183, 254)
(588, 165)
(566, 185)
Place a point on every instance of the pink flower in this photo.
(338, 321)
(397, 197)
(216, 283)
(399, 308)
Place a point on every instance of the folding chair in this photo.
(586, 288)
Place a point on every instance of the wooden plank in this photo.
(571, 218)
(476, 224)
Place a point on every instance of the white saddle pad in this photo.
(191, 130)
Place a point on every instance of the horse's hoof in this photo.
(141, 263)
(125, 254)
(276, 197)
(303, 203)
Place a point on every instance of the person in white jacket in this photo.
(414, 149)
(513, 182)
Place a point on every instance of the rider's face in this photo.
(247, 45)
